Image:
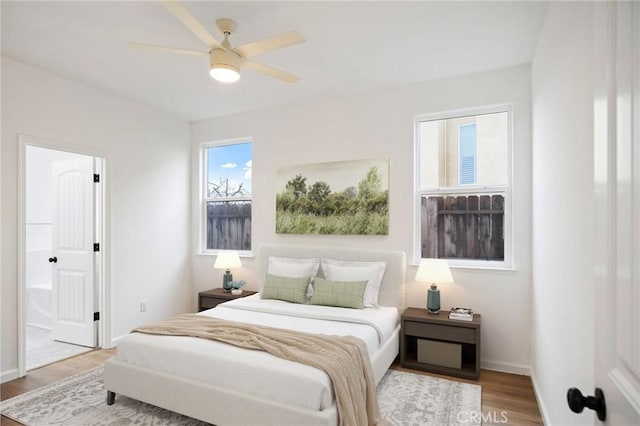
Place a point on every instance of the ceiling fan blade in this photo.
(180, 12)
(270, 71)
(170, 49)
(268, 44)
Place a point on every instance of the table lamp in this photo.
(434, 271)
(227, 260)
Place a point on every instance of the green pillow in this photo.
(285, 288)
(344, 294)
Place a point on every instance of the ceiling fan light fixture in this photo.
(225, 65)
(224, 73)
(224, 60)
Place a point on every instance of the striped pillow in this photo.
(344, 294)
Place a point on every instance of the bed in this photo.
(226, 385)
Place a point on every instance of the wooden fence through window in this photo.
(229, 225)
(464, 227)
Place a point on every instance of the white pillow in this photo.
(372, 272)
(293, 267)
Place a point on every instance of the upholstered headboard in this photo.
(393, 281)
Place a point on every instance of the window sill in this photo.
(242, 254)
(505, 269)
(479, 268)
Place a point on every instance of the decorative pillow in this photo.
(293, 267)
(285, 288)
(344, 294)
(372, 272)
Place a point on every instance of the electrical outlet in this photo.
(143, 306)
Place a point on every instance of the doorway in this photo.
(60, 264)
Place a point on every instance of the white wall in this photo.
(148, 161)
(381, 126)
(563, 289)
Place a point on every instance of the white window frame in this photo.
(202, 195)
(506, 189)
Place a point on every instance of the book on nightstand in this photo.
(462, 314)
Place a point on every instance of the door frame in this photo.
(101, 273)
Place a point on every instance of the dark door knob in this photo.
(577, 402)
(53, 260)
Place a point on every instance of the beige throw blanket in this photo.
(344, 359)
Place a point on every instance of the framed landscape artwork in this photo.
(336, 198)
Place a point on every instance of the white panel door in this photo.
(617, 192)
(72, 254)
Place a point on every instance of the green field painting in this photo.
(337, 198)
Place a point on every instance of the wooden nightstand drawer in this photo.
(209, 302)
(440, 332)
(212, 298)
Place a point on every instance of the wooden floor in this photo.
(506, 398)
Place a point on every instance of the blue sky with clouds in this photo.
(231, 162)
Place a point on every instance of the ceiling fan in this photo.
(225, 61)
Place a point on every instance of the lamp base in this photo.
(433, 300)
(226, 281)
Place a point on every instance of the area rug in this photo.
(406, 399)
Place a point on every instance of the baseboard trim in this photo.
(541, 406)
(115, 340)
(506, 367)
(7, 376)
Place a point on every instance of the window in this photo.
(467, 164)
(463, 174)
(226, 195)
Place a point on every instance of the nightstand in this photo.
(434, 343)
(211, 298)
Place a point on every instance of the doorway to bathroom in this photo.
(61, 264)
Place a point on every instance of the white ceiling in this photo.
(351, 47)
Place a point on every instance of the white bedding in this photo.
(255, 372)
(381, 321)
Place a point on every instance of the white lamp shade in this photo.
(227, 260)
(225, 65)
(224, 73)
(434, 271)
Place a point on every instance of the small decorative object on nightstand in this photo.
(227, 260)
(461, 314)
(236, 287)
(211, 298)
(434, 271)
